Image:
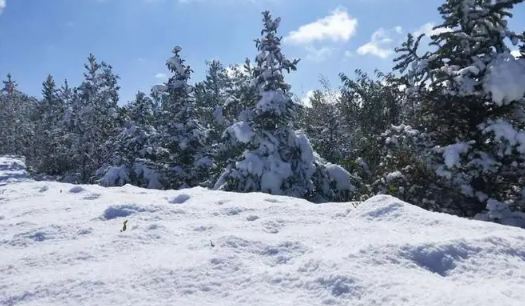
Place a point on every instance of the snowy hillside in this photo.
(62, 244)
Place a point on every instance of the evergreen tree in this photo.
(368, 107)
(467, 134)
(93, 118)
(50, 132)
(183, 135)
(136, 155)
(17, 118)
(276, 159)
(323, 123)
(210, 96)
(242, 94)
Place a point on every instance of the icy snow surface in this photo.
(216, 248)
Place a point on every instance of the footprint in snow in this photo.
(125, 210)
(76, 189)
(181, 198)
(252, 218)
(92, 196)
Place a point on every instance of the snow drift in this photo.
(62, 244)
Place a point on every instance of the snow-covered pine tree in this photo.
(322, 122)
(182, 134)
(92, 119)
(469, 92)
(210, 96)
(368, 107)
(277, 160)
(17, 118)
(8, 142)
(137, 156)
(242, 93)
(50, 132)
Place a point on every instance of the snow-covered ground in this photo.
(62, 244)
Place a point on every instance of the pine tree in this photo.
(17, 118)
(183, 135)
(276, 159)
(467, 145)
(242, 95)
(50, 132)
(368, 107)
(323, 123)
(93, 118)
(136, 154)
(210, 96)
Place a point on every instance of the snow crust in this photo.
(201, 247)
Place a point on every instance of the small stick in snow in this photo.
(211, 243)
(124, 226)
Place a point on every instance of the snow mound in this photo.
(246, 249)
(12, 169)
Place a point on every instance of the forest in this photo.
(444, 129)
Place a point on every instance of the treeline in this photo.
(445, 129)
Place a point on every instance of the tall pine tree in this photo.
(183, 135)
(276, 159)
(467, 147)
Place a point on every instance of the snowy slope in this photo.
(61, 244)
(12, 169)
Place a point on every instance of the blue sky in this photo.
(136, 36)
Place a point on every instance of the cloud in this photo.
(428, 30)
(379, 44)
(338, 26)
(319, 55)
(2, 5)
(349, 53)
(161, 76)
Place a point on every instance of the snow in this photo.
(115, 176)
(393, 175)
(505, 79)
(219, 248)
(151, 176)
(500, 212)
(242, 131)
(451, 153)
(273, 100)
(12, 169)
(340, 176)
(504, 130)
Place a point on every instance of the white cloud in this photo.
(2, 5)
(428, 30)
(319, 55)
(161, 76)
(380, 42)
(349, 53)
(338, 26)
